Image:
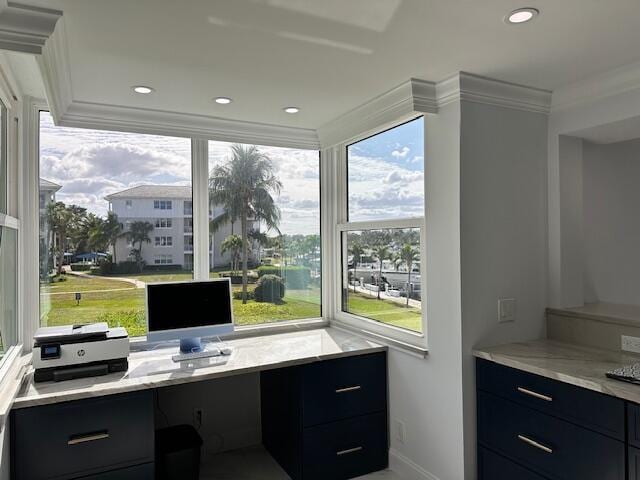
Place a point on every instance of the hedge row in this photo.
(295, 277)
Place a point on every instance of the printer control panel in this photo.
(50, 351)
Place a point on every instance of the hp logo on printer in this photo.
(81, 353)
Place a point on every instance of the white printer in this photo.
(75, 351)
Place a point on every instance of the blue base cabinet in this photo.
(531, 427)
(327, 420)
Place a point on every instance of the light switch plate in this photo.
(630, 344)
(506, 310)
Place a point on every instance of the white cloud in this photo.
(403, 152)
(403, 176)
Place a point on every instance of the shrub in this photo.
(237, 295)
(270, 288)
(105, 267)
(80, 267)
(296, 277)
(128, 266)
(162, 268)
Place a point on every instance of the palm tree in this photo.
(408, 255)
(113, 231)
(244, 186)
(233, 244)
(381, 252)
(93, 227)
(65, 223)
(357, 250)
(138, 234)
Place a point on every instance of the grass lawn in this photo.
(385, 311)
(124, 304)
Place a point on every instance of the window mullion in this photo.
(200, 182)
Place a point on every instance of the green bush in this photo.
(296, 277)
(270, 288)
(237, 295)
(80, 267)
(128, 266)
(133, 320)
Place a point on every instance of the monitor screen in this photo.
(172, 306)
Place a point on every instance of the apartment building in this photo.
(169, 209)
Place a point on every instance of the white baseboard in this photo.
(406, 468)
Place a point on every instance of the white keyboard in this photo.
(206, 353)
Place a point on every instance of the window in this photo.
(277, 225)
(188, 243)
(4, 163)
(381, 247)
(128, 203)
(163, 241)
(162, 204)
(163, 259)
(90, 177)
(163, 223)
(188, 225)
(8, 288)
(188, 208)
(386, 174)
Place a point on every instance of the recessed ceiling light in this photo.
(223, 100)
(292, 109)
(142, 89)
(522, 15)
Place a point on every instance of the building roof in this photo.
(47, 185)
(153, 191)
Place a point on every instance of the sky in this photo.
(385, 171)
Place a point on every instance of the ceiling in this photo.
(327, 56)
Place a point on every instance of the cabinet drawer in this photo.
(633, 423)
(346, 387)
(492, 466)
(586, 408)
(633, 463)
(83, 437)
(139, 472)
(345, 449)
(552, 447)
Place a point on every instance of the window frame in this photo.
(396, 336)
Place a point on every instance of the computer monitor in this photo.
(188, 311)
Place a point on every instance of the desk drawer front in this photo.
(345, 449)
(583, 407)
(337, 389)
(492, 466)
(83, 437)
(139, 472)
(554, 448)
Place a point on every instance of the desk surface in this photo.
(154, 368)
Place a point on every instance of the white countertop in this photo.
(154, 368)
(577, 365)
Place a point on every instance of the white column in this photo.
(200, 183)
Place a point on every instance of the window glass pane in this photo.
(381, 276)
(3, 159)
(386, 174)
(8, 288)
(102, 196)
(281, 215)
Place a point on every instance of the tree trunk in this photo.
(114, 252)
(379, 278)
(408, 284)
(245, 255)
(61, 255)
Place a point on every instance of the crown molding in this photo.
(405, 100)
(469, 87)
(55, 69)
(613, 82)
(25, 28)
(159, 122)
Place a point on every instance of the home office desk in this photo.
(323, 401)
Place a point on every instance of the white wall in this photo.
(426, 394)
(503, 236)
(611, 182)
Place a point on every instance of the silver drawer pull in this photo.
(531, 393)
(348, 389)
(348, 451)
(89, 437)
(535, 444)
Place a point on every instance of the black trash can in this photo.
(178, 453)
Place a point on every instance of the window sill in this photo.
(12, 368)
(141, 343)
(408, 348)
